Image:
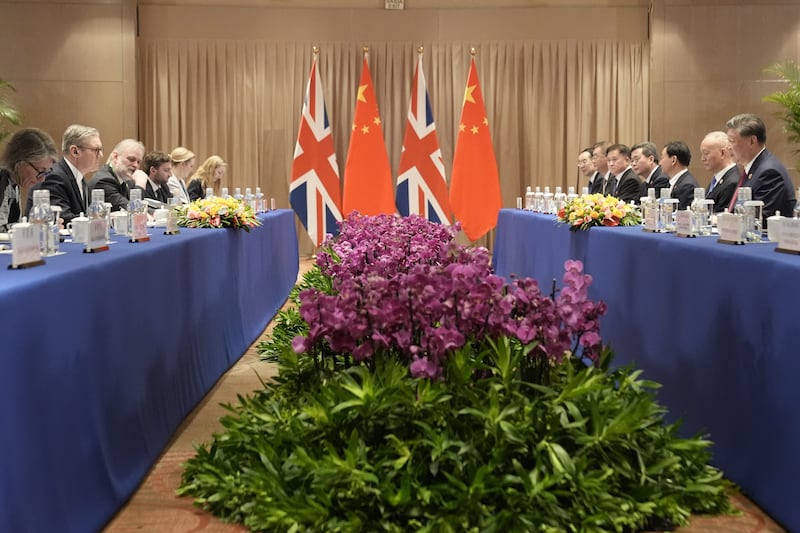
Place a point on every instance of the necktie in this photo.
(85, 191)
(713, 182)
(13, 212)
(736, 192)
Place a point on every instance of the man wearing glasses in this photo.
(82, 152)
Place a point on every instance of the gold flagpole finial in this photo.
(420, 49)
(473, 51)
(315, 49)
(366, 50)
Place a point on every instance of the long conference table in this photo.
(717, 325)
(103, 355)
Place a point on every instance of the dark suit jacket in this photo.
(64, 191)
(724, 189)
(596, 186)
(658, 180)
(117, 194)
(628, 187)
(195, 190)
(771, 184)
(161, 193)
(683, 190)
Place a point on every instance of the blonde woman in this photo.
(182, 166)
(209, 174)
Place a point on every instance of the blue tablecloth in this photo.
(104, 354)
(716, 324)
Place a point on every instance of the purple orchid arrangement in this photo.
(404, 287)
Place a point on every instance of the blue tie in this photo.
(713, 182)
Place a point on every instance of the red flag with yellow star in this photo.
(475, 182)
(368, 186)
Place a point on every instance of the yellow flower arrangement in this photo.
(589, 210)
(217, 212)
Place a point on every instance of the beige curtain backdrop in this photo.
(242, 100)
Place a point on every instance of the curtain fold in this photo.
(545, 100)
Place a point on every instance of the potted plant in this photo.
(789, 72)
(8, 111)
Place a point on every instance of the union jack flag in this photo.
(421, 184)
(314, 192)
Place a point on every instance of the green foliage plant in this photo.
(789, 98)
(378, 450)
(8, 111)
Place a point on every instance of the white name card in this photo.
(650, 218)
(731, 228)
(683, 223)
(139, 227)
(790, 236)
(97, 235)
(25, 249)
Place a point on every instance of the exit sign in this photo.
(393, 4)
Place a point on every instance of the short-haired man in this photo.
(763, 172)
(158, 167)
(627, 183)
(717, 158)
(586, 167)
(81, 149)
(675, 159)
(601, 182)
(644, 161)
(116, 176)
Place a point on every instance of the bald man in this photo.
(717, 158)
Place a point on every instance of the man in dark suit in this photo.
(717, 158)
(586, 168)
(627, 183)
(81, 149)
(763, 172)
(158, 167)
(116, 176)
(675, 158)
(644, 161)
(600, 183)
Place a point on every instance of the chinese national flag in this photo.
(368, 186)
(475, 182)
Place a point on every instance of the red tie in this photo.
(736, 192)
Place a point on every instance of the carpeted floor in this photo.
(155, 508)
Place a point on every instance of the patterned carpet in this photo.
(155, 508)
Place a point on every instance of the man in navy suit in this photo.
(601, 181)
(158, 167)
(717, 158)
(627, 183)
(644, 161)
(763, 172)
(675, 159)
(586, 168)
(81, 150)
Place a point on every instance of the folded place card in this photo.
(731, 228)
(789, 236)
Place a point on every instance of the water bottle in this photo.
(666, 211)
(529, 199)
(209, 192)
(136, 207)
(96, 213)
(699, 211)
(559, 200)
(547, 198)
(259, 200)
(224, 193)
(745, 194)
(237, 193)
(249, 199)
(571, 194)
(584, 190)
(538, 200)
(40, 217)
